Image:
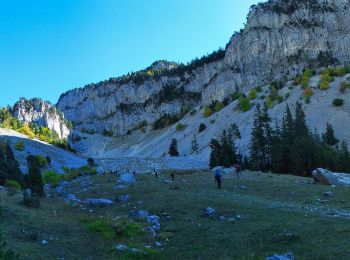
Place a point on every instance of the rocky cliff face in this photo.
(41, 113)
(281, 38)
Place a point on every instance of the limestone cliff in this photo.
(41, 113)
(280, 39)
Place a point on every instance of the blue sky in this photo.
(50, 46)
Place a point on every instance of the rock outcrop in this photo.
(330, 178)
(41, 113)
(280, 39)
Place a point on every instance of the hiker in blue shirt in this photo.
(218, 177)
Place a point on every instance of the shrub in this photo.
(338, 102)
(258, 89)
(207, 112)
(308, 92)
(287, 95)
(180, 127)
(306, 78)
(269, 102)
(343, 86)
(262, 97)
(173, 151)
(101, 226)
(42, 160)
(338, 71)
(12, 187)
(202, 127)
(52, 178)
(13, 184)
(244, 104)
(30, 200)
(218, 106)
(126, 228)
(253, 94)
(107, 132)
(19, 146)
(325, 80)
(280, 99)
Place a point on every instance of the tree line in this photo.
(289, 148)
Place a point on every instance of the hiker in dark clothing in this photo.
(172, 176)
(155, 173)
(238, 170)
(134, 173)
(218, 178)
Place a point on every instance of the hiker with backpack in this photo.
(238, 170)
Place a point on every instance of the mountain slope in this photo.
(281, 38)
(59, 157)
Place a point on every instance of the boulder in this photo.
(99, 202)
(287, 256)
(154, 222)
(138, 214)
(124, 198)
(209, 212)
(121, 247)
(326, 177)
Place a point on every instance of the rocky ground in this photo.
(125, 217)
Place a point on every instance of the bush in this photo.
(42, 160)
(19, 146)
(202, 127)
(244, 104)
(269, 102)
(207, 112)
(101, 226)
(306, 78)
(180, 127)
(343, 86)
(13, 184)
(258, 89)
(12, 187)
(280, 99)
(52, 178)
(30, 200)
(218, 106)
(338, 102)
(325, 80)
(253, 94)
(308, 92)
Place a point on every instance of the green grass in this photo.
(279, 214)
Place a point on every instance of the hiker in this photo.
(172, 176)
(218, 178)
(134, 173)
(155, 173)
(238, 170)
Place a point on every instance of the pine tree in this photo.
(215, 154)
(261, 140)
(173, 148)
(34, 178)
(328, 137)
(228, 153)
(194, 146)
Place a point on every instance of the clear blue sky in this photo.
(50, 46)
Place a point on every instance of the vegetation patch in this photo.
(19, 146)
(338, 102)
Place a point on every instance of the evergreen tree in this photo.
(215, 154)
(228, 153)
(9, 168)
(328, 137)
(260, 147)
(194, 146)
(173, 148)
(34, 178)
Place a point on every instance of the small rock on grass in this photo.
(121, 247)
(209, 212)
(328, 194)
(287, 256)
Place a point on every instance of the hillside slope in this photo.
(154, 144)
(59, 157)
